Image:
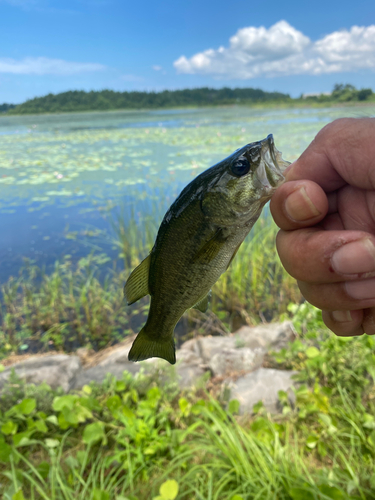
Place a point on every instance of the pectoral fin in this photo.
(202, 305)
(136, 286)
(211, 248)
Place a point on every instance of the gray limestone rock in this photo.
(57, 370)
(236, 360)
(189, 368)
(99, 373)
(207, 347)
(114, 363)
(261, 385)
(271, 336)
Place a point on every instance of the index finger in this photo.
(343, 152)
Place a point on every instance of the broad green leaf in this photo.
(113, 403)
(52, 443)
(27, 406)
(5, 451)
(23, 438)
(184, 404)
(66, 401)
(18, 495)
(120, 386)
(43, 468)
(40, 426)
(93, 433)
(234, 406)
(169, 490)
(312, 441)
(52, 419)
(98, 494)
(312, 352)
(258, 407)
(9, 427)
(2, 368)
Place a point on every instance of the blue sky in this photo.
(54, 46)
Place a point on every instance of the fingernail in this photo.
(299, 206)
(360, 290)
(355, 257)
(341, 316)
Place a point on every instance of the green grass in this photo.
(126, 438)
(72, 307)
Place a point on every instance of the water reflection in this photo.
(61, 174)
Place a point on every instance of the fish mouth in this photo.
(271, 166)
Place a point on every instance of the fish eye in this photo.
(240, 167)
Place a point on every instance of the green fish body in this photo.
(197, 240)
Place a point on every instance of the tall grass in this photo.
(212, 454)
(73, 307)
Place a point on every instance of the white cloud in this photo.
(46, 66)
(157, 67)
(282, 50)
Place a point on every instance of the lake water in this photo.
(62, 177)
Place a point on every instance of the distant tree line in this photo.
(343, 93)
(110, 100)
(106, 100)
(6, 107)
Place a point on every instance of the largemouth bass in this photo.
(197, 240)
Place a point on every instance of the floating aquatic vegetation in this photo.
(61, 163)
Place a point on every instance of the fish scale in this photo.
(197, 240)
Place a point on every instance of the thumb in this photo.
(343, 152)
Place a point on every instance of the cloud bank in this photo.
(282, 50)
(46, 66)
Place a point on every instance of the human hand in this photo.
(326, 212)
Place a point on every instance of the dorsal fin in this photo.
(136, 286)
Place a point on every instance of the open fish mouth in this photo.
(271, 167)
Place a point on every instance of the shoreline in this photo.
(264, 105)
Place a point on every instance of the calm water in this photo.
(64, 176)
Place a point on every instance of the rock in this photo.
(85, 354)
(115, 363)
(207, 347)
(189, 368)
(117, 356)
(235, 360)
(271, 336)
(58, 370)
(261, 385)
(99, 373)
(191, 345)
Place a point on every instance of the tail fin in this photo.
(145, 347)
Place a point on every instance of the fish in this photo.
(198, 239)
